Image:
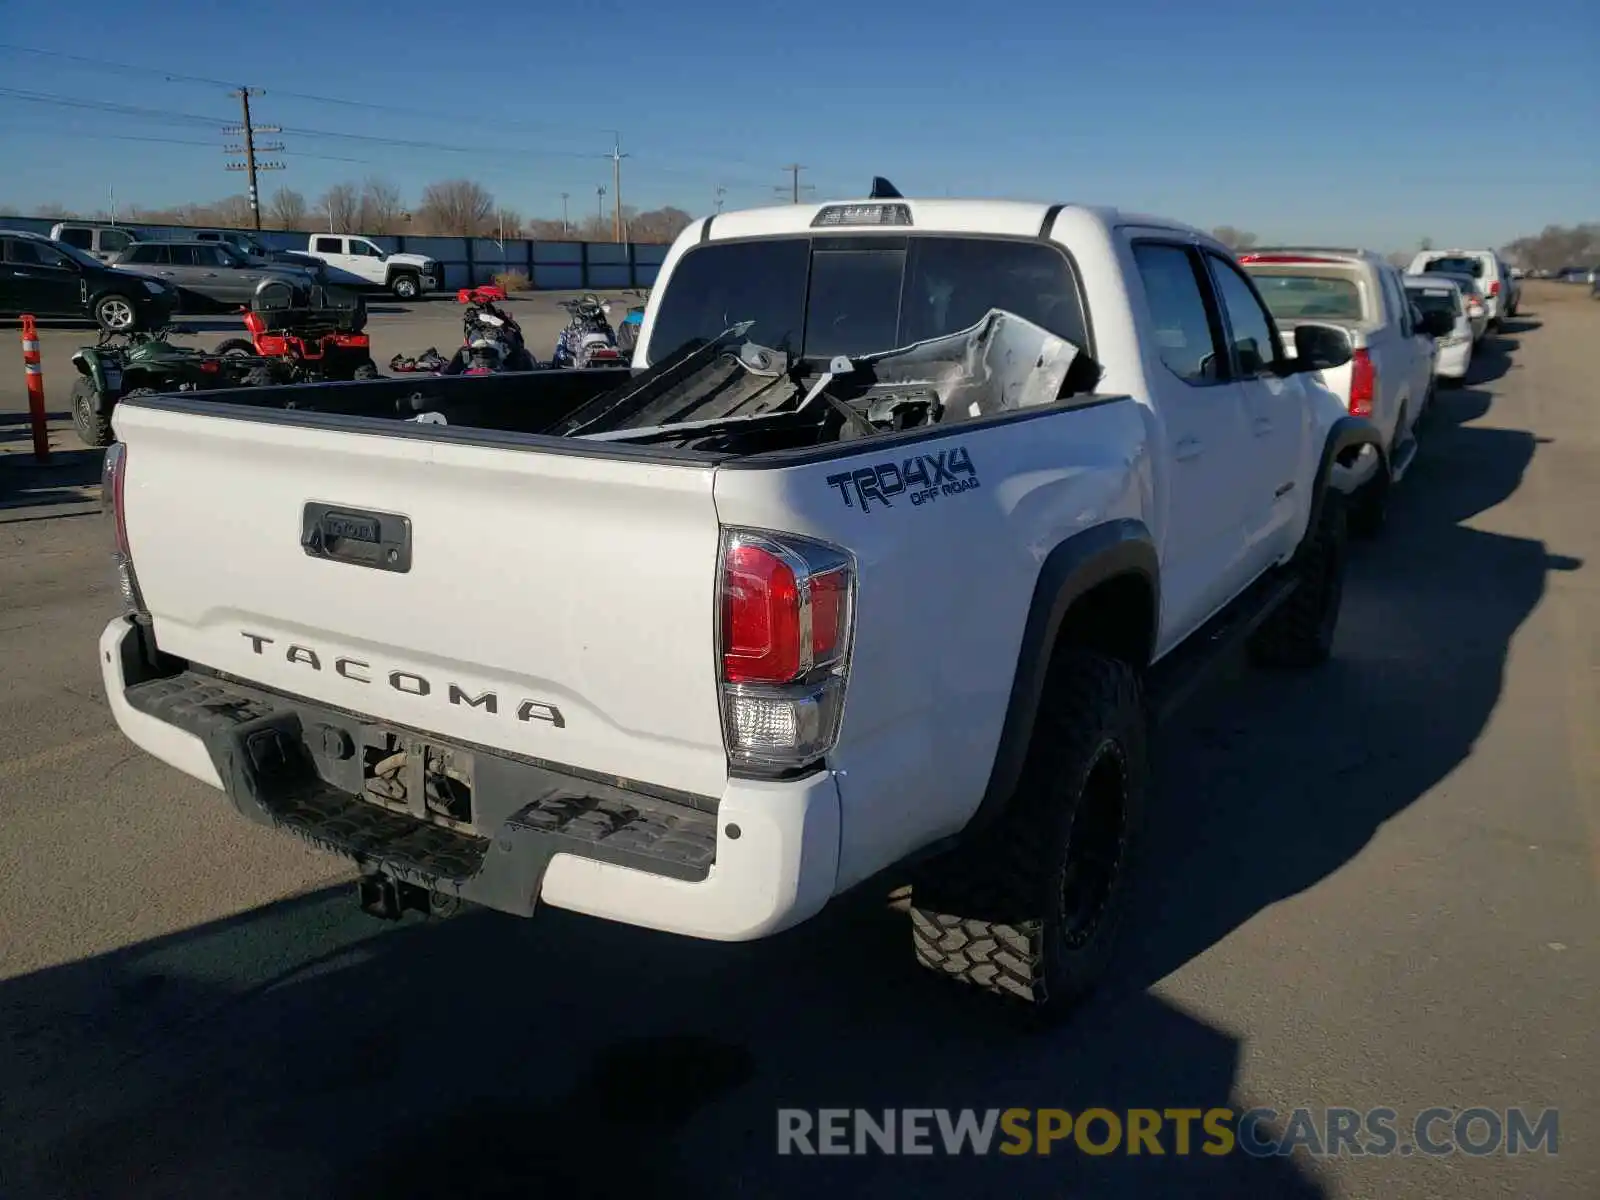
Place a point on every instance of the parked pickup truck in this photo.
(356, 262)
(1389, 376)
(910, 518)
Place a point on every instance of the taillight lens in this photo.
(1363, 384)
(114, 504)
(1494, 287)
(785, 620)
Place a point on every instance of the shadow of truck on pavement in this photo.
(487, 1057)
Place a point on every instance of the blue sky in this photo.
(1379, 123)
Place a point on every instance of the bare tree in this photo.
(287, 209)
(339, 207)
(1556, 247)
(1236, 240)
(380, 209)
(658, 224)
(231, 211)
(456, 207)
(508, 223)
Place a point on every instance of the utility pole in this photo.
(795, 187)
(250, 149)
(599, 207)
(616, 157)
(721, 192)
(564, 198)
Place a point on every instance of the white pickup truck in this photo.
(910, 517)
(358, 263)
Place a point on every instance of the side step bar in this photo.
(1177, 677)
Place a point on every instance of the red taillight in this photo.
(761, 636)
(113, 502)
(787, 607)
(111, 493)
(1494, 287)
(210, 366)
(1363, 384)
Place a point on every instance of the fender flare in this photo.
(1345, 434)
(392, 273)
(1083, 561)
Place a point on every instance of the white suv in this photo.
(1502, 293)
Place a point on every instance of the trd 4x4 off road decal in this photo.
(924, 478)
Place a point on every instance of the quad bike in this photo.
(139, 364)
(588, 340)
(303, 333)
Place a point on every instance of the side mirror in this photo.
(1321, 347)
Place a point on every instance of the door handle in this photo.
(1187, 448)
(20, 275)
(165, 273)
(1262, 425)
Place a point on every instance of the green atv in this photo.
(140, 364)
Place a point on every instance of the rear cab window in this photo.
(1457, 264)
(330, 245)
(1313, 291)
(1436, 299)
(818, 295)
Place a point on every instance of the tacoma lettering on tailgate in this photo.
(924, 478)
(358, 671)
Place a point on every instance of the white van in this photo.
(105, 242)
(1501, 292)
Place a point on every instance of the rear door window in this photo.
(114, 241)
(82, 239)
(1183, 331)
(330, 245)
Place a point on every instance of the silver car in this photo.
(213, 272)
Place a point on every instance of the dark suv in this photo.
(48, 279)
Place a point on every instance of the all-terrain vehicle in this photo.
(303, 333)
(139, 364)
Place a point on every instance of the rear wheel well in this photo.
(1116, 618)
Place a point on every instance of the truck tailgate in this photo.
(559, 606)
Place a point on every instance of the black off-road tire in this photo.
(235, 348)
(1031, 908)
(93, 426)
(1300, 632)
(367, 370)
(260, 377)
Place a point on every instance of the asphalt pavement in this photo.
(1368, 885)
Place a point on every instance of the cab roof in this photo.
(1013, 218)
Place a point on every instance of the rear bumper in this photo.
(758, 859)
(1454, 360)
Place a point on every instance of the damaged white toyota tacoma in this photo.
(908, 520)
